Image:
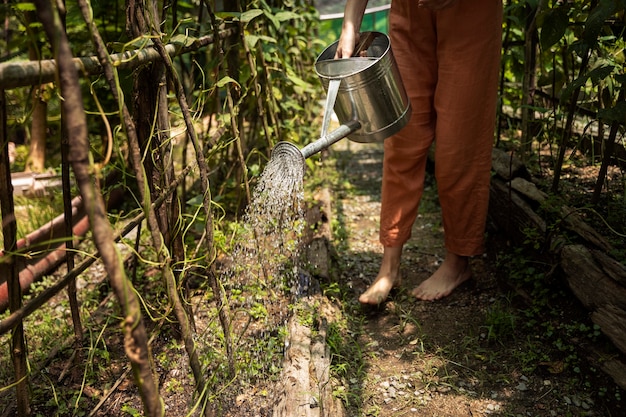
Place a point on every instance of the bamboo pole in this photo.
(8, 266)
(25, 73)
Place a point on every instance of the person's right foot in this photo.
(377, 292)
(388, 278)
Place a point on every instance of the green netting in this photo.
(377, 21)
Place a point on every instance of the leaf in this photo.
(249, 15)
(297, 80)
(228, 15)
(616, 113)
(553, 28)
(182, 40)
(25, 7)
(225, 80)
(286, 15)
(251, 40)
(594, 75)
(600, 73)
(273, 19)
(596, 19)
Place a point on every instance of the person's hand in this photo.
(436, 4)
(347, 41)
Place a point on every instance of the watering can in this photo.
(365, 91)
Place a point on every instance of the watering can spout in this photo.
(289, 149)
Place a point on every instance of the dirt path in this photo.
(477, 352)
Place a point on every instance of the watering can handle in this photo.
(365, 41)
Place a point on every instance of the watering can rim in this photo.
(328, 61)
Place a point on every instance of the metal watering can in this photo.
(365, 91)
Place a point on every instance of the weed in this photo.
(499, 322)
(347, 363)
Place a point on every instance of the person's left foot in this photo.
(453, 272)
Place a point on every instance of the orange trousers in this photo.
(449, 61)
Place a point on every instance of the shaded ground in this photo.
(485, 350)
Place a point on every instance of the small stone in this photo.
(521, 387)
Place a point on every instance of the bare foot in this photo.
(388, 278)
(453, 272)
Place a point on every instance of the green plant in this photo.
(500, 322)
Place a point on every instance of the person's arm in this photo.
(353, 16)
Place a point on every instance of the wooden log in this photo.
(611, 267)
(616, 369)
(317, 250)
(612, 322)
(512, 213)
(588, 281)
(305, 389)
(528, 189)
(507, 166)
(574, 223)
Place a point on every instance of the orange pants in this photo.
(449, 63)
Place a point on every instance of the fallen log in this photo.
(588, 281)
(305, 388)
(512, 213)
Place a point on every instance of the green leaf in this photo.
(226, 80)
(249, 15)
(600, 73)
(297, 80)
(251, 40)
(286, 15)
(273, 19)
(228, 15)
(182, 40)
(594, 75)
(553, 28)
(596, 19)
(25, 7)
(616, 113)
